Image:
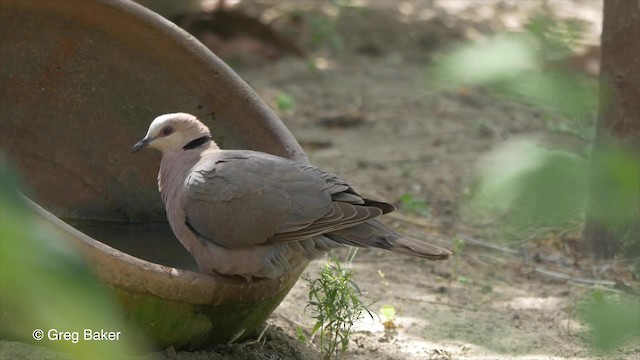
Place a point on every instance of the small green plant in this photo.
(285, 103)
(482, 128)
(388, 315)
(556, 39)
(324, 32)
(458, 246)
(335, 301)
(324, 27)
(300, 334)
(406, 171)
(416, 206)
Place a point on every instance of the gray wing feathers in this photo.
(239, 199)
(243, 198)
(344, 216)
(346, 197)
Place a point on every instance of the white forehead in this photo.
(161, 121)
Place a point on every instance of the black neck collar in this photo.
(197, 143)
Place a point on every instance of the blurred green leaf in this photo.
(503, 57)
(614, 319)
(513, 66)
(616, 186)
(568, 94)
(46, 284)
(523, 184)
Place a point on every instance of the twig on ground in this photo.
(595, 287)
(488, 245)
(567, 277)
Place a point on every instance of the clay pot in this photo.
(81, 80)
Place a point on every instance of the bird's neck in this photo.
(174, 168)
(201, 142)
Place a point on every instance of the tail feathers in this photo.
(419, 248)
(377, 235)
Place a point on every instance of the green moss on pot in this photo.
(191, 326)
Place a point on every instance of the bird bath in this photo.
(81, 80)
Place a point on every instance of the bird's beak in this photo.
(141, 144)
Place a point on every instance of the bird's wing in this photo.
(245, 198)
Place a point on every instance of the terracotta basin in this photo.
(81, 80)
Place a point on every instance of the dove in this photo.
(249, 213)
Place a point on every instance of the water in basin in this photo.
(152, 241)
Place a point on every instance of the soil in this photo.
(367, 113)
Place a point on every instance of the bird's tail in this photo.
(377, 235)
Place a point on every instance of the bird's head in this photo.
(175, 132)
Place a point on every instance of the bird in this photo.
(250, 214)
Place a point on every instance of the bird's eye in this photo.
(166, 131)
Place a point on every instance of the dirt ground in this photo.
(367, 113)
(370, 116)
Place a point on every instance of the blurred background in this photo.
(503, 130)
(479, 120)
